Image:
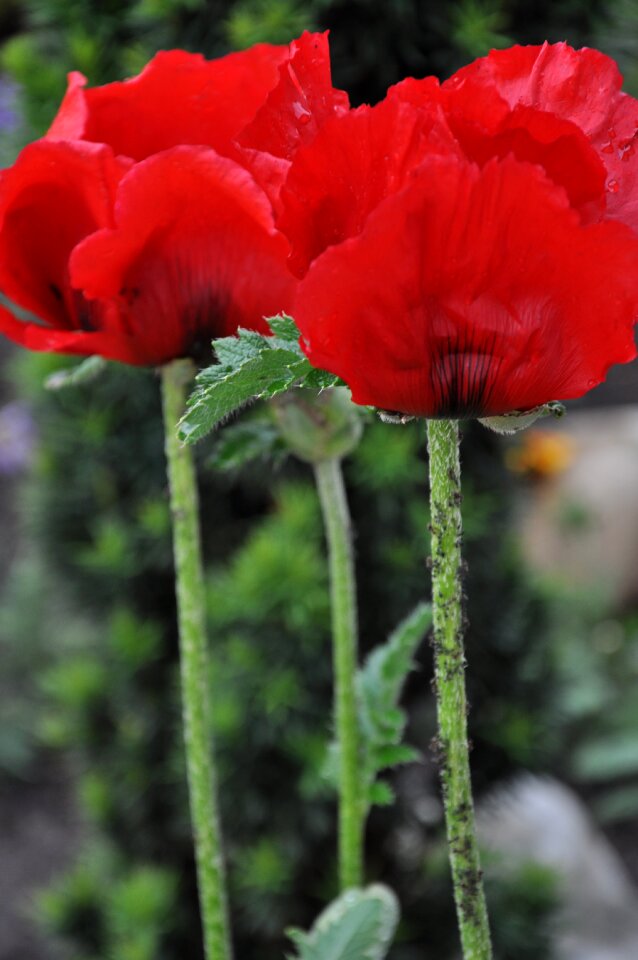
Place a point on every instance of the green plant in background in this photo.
(269, 608)
(267, 21)
(135, 906)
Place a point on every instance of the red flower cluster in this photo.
(464, 249)
(470, 249)
(137, 228)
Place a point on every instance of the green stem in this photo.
(449, 663)
(336, 517)
(195, 668)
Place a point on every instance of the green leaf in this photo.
(381, 720)
(84, 372)
(251, 367)
(241, 443)
(219, 395)
(607, 758)
(317, 379)
(381, 794)
(284, 328)
(233, 351)
(379, 684)
(359, 925)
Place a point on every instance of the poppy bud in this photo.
(318, 426)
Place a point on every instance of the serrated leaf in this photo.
(284, 328)
(359, 925)
(317, 379)
(381, 720)
(382, 677)
(251, 366)
(217, 396)
(233, 351)
(84, 372)
(379, 685)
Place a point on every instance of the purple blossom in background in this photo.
(17, 438)
(9, 105)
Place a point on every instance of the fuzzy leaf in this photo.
(233, 351)
(251, 367)
(381, 720)
(359, 925)
(379, 684)
(317, 379)
(284, 328)
(84, 372)
(220, 394)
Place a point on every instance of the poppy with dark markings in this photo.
(470, 249)
(140, 228)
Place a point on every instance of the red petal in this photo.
(472, 292)
(51, 198)
(580, 86)
(36, 337)
(301, 102)
(193, 255)
(352, 164)
(179, 98)
(487, 126)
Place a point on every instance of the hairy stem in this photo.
(194, 666)
(337, 523)
(449, 662)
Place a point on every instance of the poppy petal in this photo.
(193, 255)
(300, 103)
(353, 163)
(579, 86)
(474, 292)
(51, 198)
(178, 98)
(486, 127)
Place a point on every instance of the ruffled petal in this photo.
(302, 101)
(193, 254)
(179, 98)
(353, 163)
(51, 198)
(578, 86)
(486, 127)
(472, 292)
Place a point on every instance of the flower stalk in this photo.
(194, 668)
(449, 666)
(334, 505)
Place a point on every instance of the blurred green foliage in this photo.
(88, 636)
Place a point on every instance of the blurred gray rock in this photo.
(539, 820)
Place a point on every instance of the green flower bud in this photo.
(318, 426)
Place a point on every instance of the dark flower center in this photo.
(463, 376)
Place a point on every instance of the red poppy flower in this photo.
(477, 266)
(135, 229)
(136, 262)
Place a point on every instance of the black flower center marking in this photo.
(463, 375)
